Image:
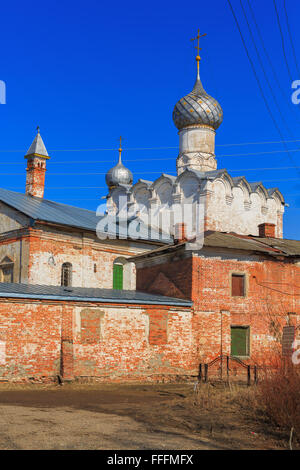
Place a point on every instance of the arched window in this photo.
(124, 275)
(118, 276)
(66, 274)
(7, 270)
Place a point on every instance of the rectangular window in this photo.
(237, 285)
(240, 336)
(118, 276)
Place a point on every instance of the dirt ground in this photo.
(77, 416)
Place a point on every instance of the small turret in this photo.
(36, 166)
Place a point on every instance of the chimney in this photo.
(180, 232)
(36, 167)
(267, 230)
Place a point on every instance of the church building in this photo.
(176, 272)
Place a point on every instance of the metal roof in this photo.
(53, 212)
(234, 241)
(86, 294)
(37, 147)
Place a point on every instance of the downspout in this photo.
(20, 260)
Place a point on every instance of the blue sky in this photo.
(87, 72)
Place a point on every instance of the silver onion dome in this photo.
(197, 108)
(119, 174)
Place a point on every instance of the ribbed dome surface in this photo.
(197, 108)
(119, 174)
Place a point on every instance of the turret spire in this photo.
(37, 147)
(36, 166)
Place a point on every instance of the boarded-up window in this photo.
(237, 285)
(118, 276)
(158, 328)
(240, 341)
(91, 326)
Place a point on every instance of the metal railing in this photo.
(204, 368)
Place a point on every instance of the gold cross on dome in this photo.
(198, 46)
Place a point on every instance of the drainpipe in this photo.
(20, 260)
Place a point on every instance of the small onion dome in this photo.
(197, 108)
(119, 174)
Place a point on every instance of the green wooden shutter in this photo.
(118, 276)
(239, 341)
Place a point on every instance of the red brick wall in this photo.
(106, 342)
(173, 279)
(272, 291)
(67, 352)
(158, 327)
(31, 333)
(35, 177)
(136, 343)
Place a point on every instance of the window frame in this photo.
(66, 266)
(7, 263)
(248, 341)
(240, 274)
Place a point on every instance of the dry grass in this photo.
(216, 396)
(278, 396)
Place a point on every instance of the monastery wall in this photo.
(92, 259)
(235, 210)
(41, 339)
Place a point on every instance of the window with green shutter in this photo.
(240, 341)
(118, 276)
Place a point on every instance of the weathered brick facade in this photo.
(38, 254)
(270, 301)
(106, 342)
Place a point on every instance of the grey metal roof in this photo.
(233, 241)
(289, 247)
(37, 147)
(49, 211)
(85, 294)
